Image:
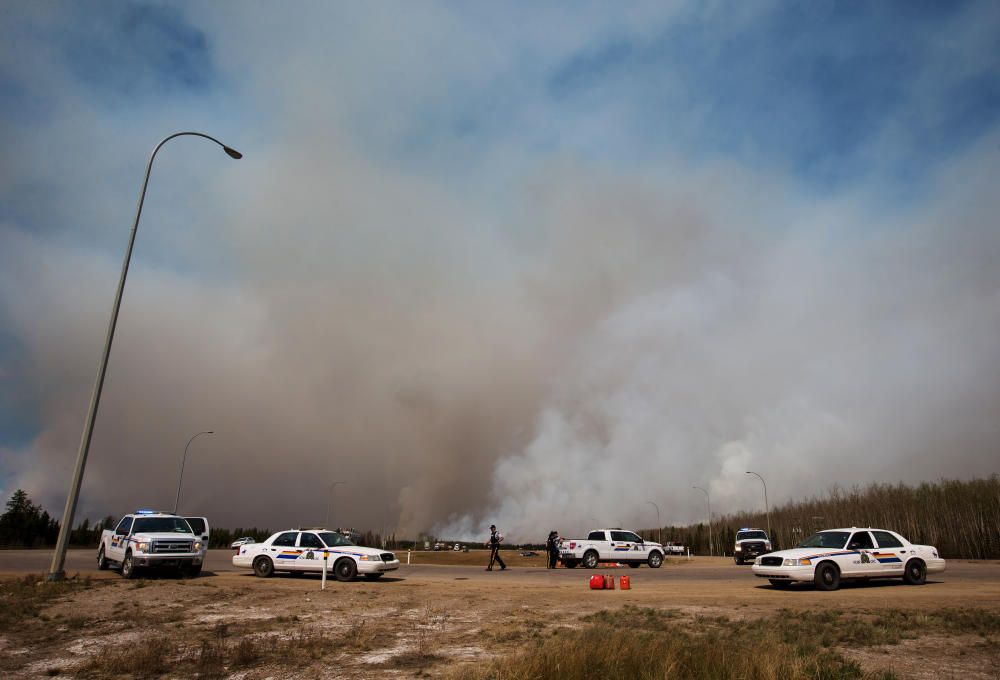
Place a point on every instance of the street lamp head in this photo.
(233, 153)
(210, 432)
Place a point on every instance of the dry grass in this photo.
(27, 597)
(634, 643)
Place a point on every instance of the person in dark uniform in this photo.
(496, 538)
(552, 545)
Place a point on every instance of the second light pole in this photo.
(767, 509)
(177, 498)
(329, 500)
(711, 550)
(659, 528)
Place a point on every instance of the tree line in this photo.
(961, 518)
(24, 524)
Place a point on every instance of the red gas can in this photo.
(609, 582)
(597, 582)
(625, 583)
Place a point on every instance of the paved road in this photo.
(717, 570)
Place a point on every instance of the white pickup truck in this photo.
(149, 538)
(610, 545)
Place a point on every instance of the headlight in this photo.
(796, 562)
(142, 547)
(739, 548)
(197, 546)
(757, 561)
(370, 558)
(767, 544)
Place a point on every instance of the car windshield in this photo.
(332, 540)
(748, 535)
(164, 525)
(826, 539)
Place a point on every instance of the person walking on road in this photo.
(552, 546)
(496, 538)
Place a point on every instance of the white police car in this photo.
(830, 556)
(301, 551)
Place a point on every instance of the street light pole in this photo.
(177, 499)
(329, 500)
(767, 509)
(659, 529)
(56, 572)
(711, 549)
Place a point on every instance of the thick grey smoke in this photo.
(543, 343)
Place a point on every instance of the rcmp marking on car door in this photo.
(289, 554)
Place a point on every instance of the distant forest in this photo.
(960, 518)
(27, 525)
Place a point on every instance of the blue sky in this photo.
(441, 198)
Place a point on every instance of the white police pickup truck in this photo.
(149, 538)
(301, 551)
(610, 545)
(828, 557)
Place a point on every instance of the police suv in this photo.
(301, 551)
(149, 538)
(610, 545)
(750, 544)
(830, 556)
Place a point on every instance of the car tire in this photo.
(373, 577)
(635, 565)
(827, 576)
(569, 564)
(915, 573)
(102, 561)
(780, 584)
(263, 567)
(128, 567)
(738, 560)
(345, 569)
(655, 559)
(590, 559)
(192, 570)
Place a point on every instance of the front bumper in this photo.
(798, 574)
(170, 560)
(366, 567)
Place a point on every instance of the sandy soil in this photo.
(426, 618)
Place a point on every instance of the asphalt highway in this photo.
(719, 570)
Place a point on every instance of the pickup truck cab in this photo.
(610, 545)
(148, 538)
(201, 529)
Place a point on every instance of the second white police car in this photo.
(830, 556)
(299, 551)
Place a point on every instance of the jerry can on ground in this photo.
(597, 582)
(609, 582)
(626, 585)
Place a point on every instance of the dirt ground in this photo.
(426, 619)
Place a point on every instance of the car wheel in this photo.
(655, 559)
(569, 564)
(373, 577)
(915, 573)
(590, 559)
(738, 560)
(192, 570)
(345, 569)
(102, 562)
(779, 583)
(263, 567)
(827, 576)
(634, 565)
(128, 568)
